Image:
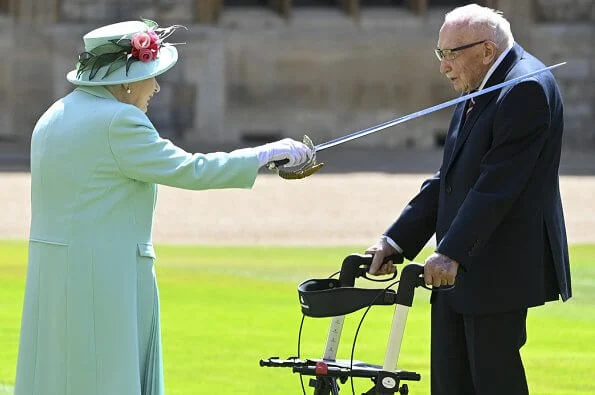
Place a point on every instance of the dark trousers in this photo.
(477, 354)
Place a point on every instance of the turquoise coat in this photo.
(91, 312)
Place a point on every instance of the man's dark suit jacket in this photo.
(495, 203)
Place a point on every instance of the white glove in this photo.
(296, 152)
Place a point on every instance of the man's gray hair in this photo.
(483, 20)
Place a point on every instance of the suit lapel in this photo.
(453, 132)
(481, 102)
(465, 128)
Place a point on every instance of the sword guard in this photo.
(303, 172)
(297, 172)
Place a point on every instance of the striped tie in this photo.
(469, 108)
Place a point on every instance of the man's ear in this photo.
(490, 52)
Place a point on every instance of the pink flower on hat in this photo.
(145, 46)
(146, 55)
(141, 40)
(154, 36)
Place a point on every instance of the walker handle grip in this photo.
(411, 278)
(357, 265)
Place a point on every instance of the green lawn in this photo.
(224, 308)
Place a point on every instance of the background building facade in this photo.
(256, 70)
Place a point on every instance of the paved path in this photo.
(326, 209)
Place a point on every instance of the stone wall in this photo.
(565, 31)
(7, 131)
(109, 11)
(560, 11)
(327, 76)
(255, 76)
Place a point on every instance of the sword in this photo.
(428, 110)
(417, 114)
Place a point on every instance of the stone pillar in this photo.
(6, 80)
(30, 89)
(67, 44)
(565, 32)
(351, 8)
(25, 76)
(420, 7)
(282, 7)
(207, 11)
(490, 3)
(35, 11)
(32, 78)
(520, 14)
(202, 67)
(574, 11)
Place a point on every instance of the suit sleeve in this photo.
(519, 134)
(417, 223)
(141, 154)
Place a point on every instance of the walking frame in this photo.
(338, 297)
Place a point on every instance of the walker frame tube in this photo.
(386, 377)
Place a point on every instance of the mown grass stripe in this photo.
(224, 308)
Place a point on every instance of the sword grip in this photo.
(277, 163)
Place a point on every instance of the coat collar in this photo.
(97, 90)
(514, 55)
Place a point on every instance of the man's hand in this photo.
(380, 250)
(440, 270)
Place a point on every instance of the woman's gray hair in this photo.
(483, 20)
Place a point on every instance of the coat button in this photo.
(448, 189)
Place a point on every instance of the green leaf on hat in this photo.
(85, 56)
(107, 48)
(151, 24)
(122, 42)
(129, 62)
(102, 60)
(117, 64)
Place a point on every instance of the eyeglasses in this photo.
(450, 54)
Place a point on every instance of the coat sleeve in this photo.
(417, 223)
(519, 134)
(141, 154)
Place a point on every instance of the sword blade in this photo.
(428, 110)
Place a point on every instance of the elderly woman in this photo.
(91, 311)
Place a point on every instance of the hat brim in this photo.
(168, 56)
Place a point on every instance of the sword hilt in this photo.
(277, 164)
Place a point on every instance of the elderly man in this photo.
(494, 206)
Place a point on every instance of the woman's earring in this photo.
(128, 91)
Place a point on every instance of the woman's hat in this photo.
(124, 52)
